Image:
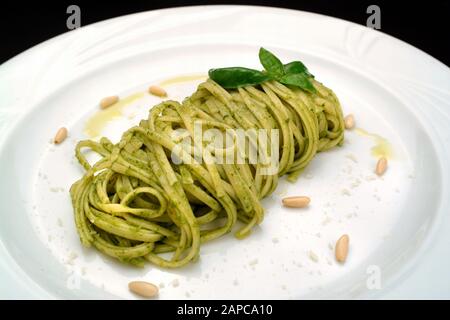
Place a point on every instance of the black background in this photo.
(287, 309)
(424, 24)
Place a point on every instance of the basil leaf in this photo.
(236, 77)
(296, 67)
(298, 80)
(271, 63)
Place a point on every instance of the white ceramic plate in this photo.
(399, 224)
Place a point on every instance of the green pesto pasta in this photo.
(137, 205)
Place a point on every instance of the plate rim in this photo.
(11, 63)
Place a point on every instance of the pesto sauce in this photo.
(181, 79)
(382, 147)
(95, 124)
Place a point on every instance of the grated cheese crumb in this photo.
(326, 221)
(71, 258)
(355, 183)
(313, 256)
(309, 176)
(175, 283)
(352, 157)
(253, 262)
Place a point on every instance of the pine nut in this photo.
(144, 289)
(60, 136)
(296, 202)
(349, 122)
(341, 249)
(381, 166)
(108, 101)
(157, 91)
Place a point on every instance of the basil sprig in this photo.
(296, 67)
(271, 63)
(298, 80)
(294, 73)
(235, 77)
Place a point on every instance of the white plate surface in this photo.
(399, 224)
